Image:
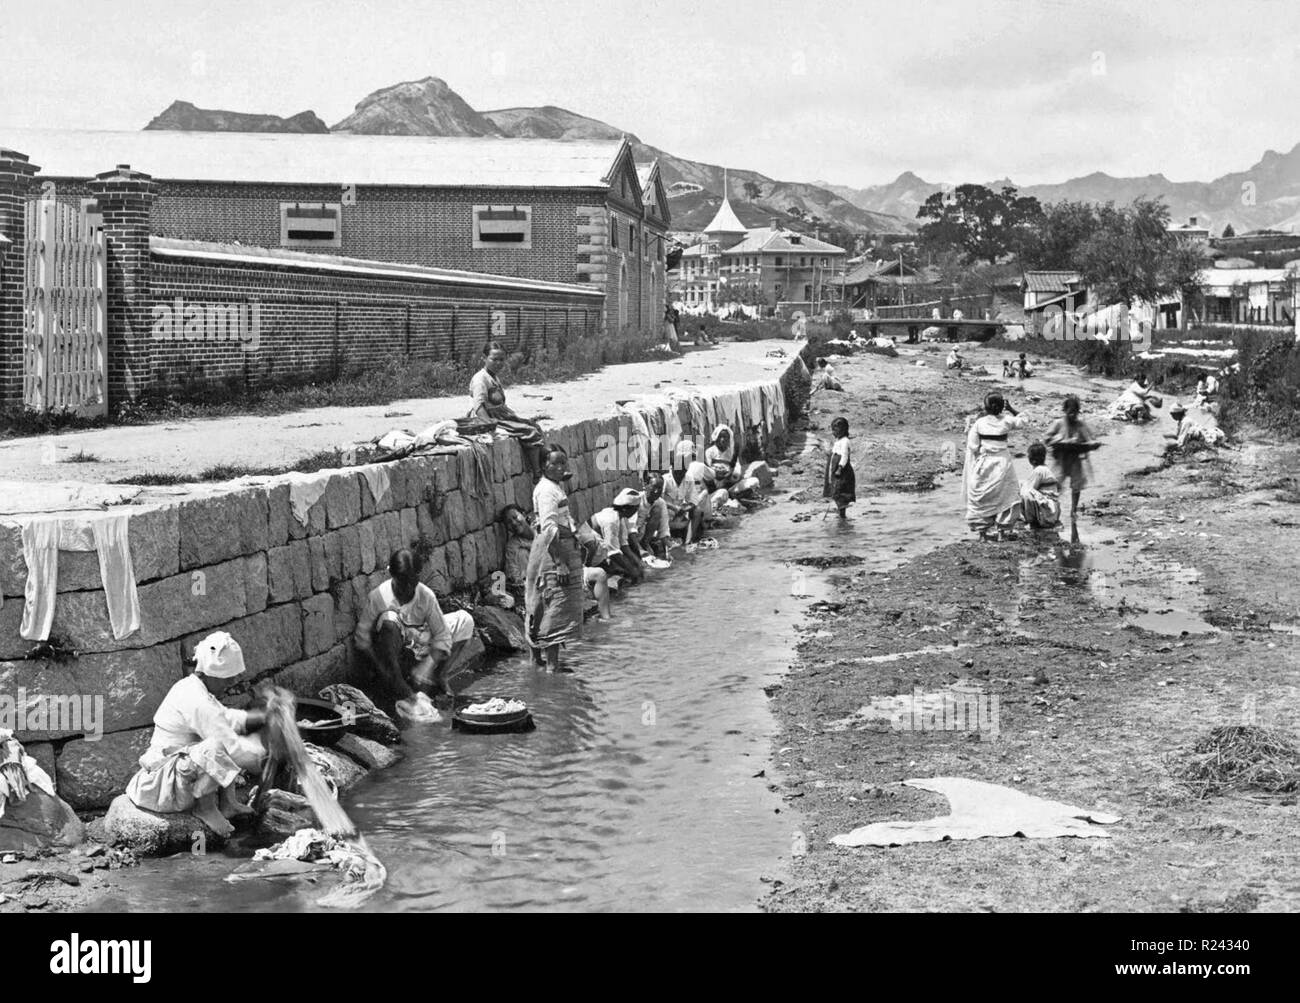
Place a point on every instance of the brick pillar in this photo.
(15, 186)
(125, 198)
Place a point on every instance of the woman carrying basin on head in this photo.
(988, 480)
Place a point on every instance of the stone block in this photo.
(13, 568)
(426, 524)
(43, 753)
(170, 608)
(256, 583)
(343, 771)
(221, 526)
(366, 542)
(317, 624)
(154, 834)
(346, 609)
(454, 508)
(279, 575)
(277, 515)
(469, 558)
(91, 694)
(471, 660)
(342, 500)
(503, 629)
(447, 471)
(369, 753)
(308, 677)
(452, 553)
(320, 564)
(410, 527)
(334, 554)
(300, 561)
(434, 572)
(524, 492)
(154, 541)
(92, 773)
(393, 528)
(418, 482)
(350, 538)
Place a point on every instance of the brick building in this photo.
(540, 209)
(353, 247)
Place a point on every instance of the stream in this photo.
(644, 786)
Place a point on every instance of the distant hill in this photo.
(181, 116)
(1265, 195)
(425, 107)
(429, 107)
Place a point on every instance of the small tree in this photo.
(1228, 231)
(752, 191)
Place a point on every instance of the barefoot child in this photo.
(1070, 441)
(1038, 494)
(841, 484)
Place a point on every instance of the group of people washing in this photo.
(200, 747)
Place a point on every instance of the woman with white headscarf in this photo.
(723, 457)
(200, 746)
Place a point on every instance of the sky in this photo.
(853, 92)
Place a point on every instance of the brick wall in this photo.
(234, 558)
(316, 322)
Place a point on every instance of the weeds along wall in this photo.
(234, 557)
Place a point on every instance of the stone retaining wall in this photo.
(233, 557)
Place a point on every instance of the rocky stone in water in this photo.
(285, 814)
(372, 755)
(343, 771)
(502, 629)
(152, 833)
(472, 659)
(376, 724)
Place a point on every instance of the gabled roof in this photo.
(653, 193)
(768, 239)
(334, 158)
(886, 273)
(1050, 281)
(725, 219)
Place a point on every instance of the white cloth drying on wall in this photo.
(379, 479)
(305, 490)
(108, 535)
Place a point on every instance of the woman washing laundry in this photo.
(686, 494)
(489, 404)
(1136, 402)
(840, 484)
(721, 457)
(1070, 441)
(988, 480)
(1040, 503)
(553, 597)
(200, 746)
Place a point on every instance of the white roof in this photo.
(313, 158)
(726, 220)
(1226, 278)
(766, 238)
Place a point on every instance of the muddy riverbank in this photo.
(1107, 661)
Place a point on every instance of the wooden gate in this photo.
(65, 311)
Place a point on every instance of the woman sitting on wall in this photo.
(200, 746)
(489, 404)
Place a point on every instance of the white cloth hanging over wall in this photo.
(108, 535)
(379, 479)
(305, 490)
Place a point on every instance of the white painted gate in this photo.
(65, 311)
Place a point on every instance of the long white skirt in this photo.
(992, 491)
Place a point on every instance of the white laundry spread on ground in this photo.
(106, 533)
(977, 810)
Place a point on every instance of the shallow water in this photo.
(639, 788)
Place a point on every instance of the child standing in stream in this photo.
(840, 483)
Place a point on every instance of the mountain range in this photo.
(1265, 195)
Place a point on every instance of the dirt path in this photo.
(1094, 709)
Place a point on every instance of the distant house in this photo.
(1247, 296)
(1049, 295)
(871, 284)
(1191, 230)
(771, 265)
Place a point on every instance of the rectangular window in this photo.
(824, 261)
(316, 224)
(503, 226)
(631, 238)
(807, 293)
(613, 232)
(780, 261)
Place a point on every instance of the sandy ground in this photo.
(1094, 710)
(280, 440)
